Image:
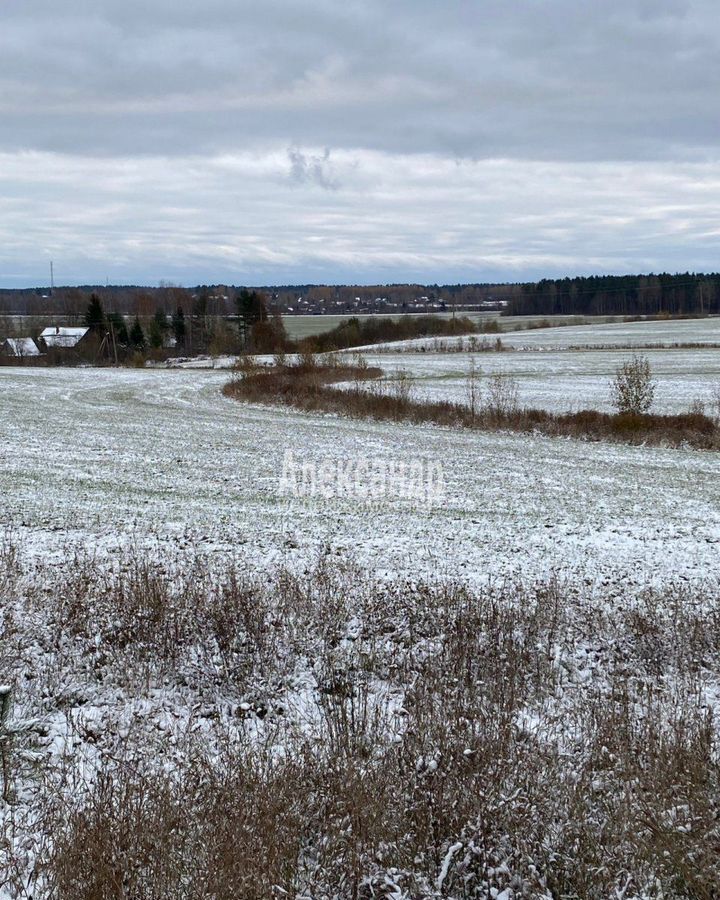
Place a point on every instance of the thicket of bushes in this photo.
(358, 332)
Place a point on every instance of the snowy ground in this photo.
(552, 370)
(681, 331)
(595, 334)
(107, 460)
(101, 458)
(561, 380)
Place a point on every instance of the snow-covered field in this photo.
(101, 458)
(680, 331)
(101, 466)
(561, 380)
(596, 334)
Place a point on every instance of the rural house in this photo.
(63, 338)
(19, 348)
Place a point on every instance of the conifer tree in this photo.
(137, 335)
(95, 316)
(119, 329)
(178, 326)
(158, 327)
(252, 308)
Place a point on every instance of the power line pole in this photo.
(52, 278)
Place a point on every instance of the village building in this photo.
(19, 348)
(63, 338)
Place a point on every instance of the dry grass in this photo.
(397, 740)
(308, 386)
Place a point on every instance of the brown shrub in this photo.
(486, 755)
(227, 829)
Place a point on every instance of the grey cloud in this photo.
(395, 218)
(312, 168)
(468, 139)
(571, 79)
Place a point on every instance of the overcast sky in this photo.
(345, 141)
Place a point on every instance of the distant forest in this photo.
(603, 295)
(622, 295)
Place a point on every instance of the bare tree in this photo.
(7, 327)
(501, 394)
(402, 386)
(633, 388)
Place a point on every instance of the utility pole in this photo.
(52, 279)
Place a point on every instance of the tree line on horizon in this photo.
(116, 338)
(254, 330)
(221, 299)
(622, 295)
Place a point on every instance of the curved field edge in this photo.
(307, 385)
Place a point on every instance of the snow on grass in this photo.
(594, 334)
(562, 381)
(155, 464)
(107, 457)
(678, 331)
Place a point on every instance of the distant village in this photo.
(220, 299)
(51, 327)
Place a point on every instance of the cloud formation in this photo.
(316, 169)
(357, 141)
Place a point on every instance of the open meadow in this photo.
(560, 380)
(506, 687)
(359, 450)
(101, 459)
(568, 368)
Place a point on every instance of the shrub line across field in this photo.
(311, 385)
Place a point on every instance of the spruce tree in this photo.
(160, 320)
(251, 308)
(137, 335)
(95, 316)
(178, 326)
(158, 327)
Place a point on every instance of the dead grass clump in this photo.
(645, 802)
(693, 429)
(142, 620)
(118, 844)
(227, 829)
(10, 566)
